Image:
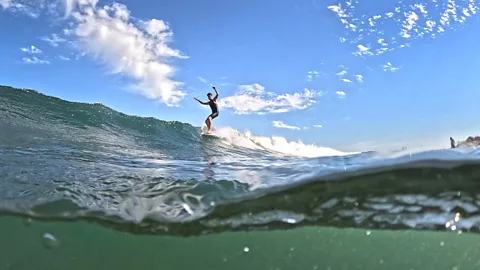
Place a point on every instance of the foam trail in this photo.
(275, 144)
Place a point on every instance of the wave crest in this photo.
(275, 144)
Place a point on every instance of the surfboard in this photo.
(211, 135)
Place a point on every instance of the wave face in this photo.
(64, 160)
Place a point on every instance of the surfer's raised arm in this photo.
(216, 96)
(201, 102)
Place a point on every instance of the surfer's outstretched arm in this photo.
(216, 96)
(201, 102)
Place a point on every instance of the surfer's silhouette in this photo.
(212, 102)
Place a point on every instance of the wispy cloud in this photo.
(359, 77)
(387, 31)
(135, 48)
(340, 94)
(317, 126)
(202, 79)
(311, 75)
(389, 67)
(346, 80)
(31, 50)
(362, 50)
(342, 73)
(132, 47)
(5, 3)
(280, 124)
(34, 60)
(54, 40)
(253, 99)
(64, 58)
(32, 8)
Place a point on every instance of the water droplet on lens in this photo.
(50, 241)
(246, 249)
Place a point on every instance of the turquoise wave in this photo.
(66, 160)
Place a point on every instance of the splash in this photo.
(275, 144)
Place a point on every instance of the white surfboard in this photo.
(210, 135)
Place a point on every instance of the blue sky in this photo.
(354, 75)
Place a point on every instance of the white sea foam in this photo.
(277, 144)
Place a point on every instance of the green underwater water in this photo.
(85, 245)
(208, 204)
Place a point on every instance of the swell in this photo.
(33, 105)
(26, 113)
(75, 161)
(415, 194)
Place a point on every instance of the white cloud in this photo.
(362, 50)
(410, 19)
(253, 99)
(280, 124)
(318, 126)
(340, 94)
(5, 3)
(422, 9)
(127, 46)
(31, 50)
(138, 50)
(382, 42)
(312, 75)
(420, 19)
(32, 8)
(389, 67)
(338, 9)
(34, 60)
(64, 58)
(54, 40)
(359, 77)
(341, 73)
(346, 80)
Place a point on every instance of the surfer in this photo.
(212, 102)
(470, 141)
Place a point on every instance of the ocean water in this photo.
(83, 186)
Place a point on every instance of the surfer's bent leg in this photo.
(209, 119)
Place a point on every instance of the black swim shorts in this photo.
(214, 115)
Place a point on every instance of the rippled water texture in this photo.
(64, 160)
